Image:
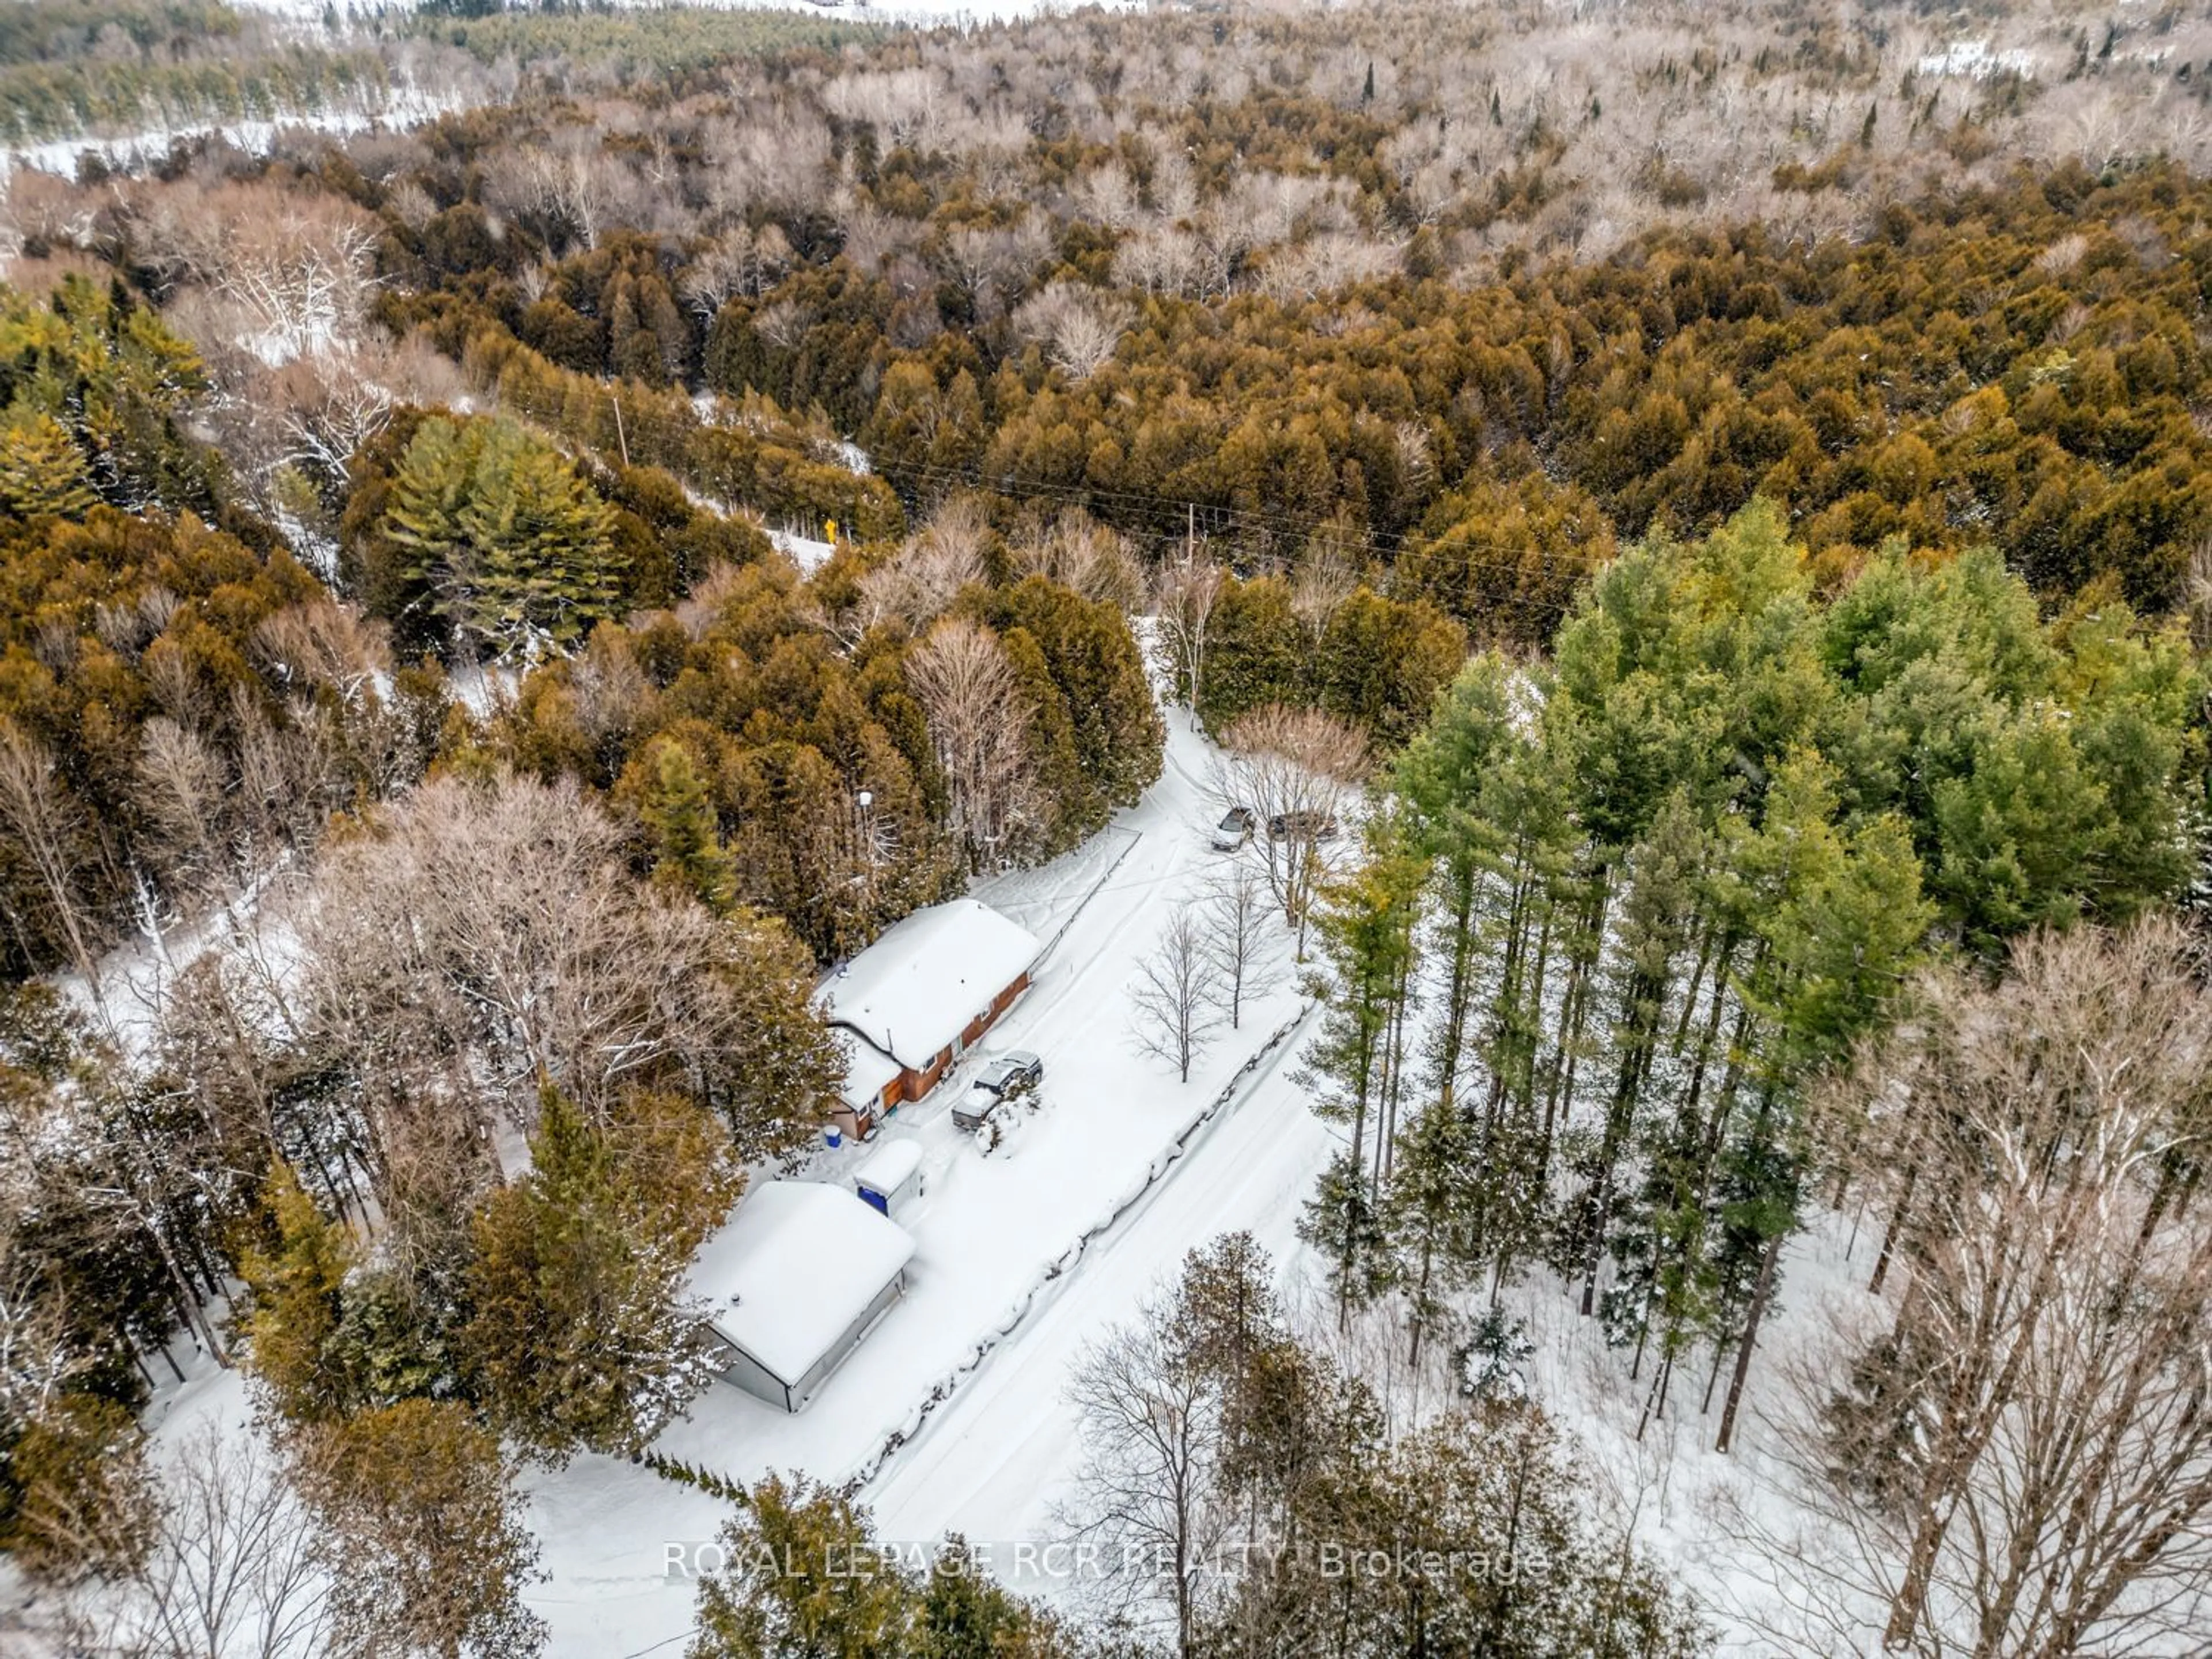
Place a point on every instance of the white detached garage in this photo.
(794, 1282)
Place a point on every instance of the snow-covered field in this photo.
(920, 12)
(405, 105)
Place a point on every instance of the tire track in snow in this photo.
(1036, 1019)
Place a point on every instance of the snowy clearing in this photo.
(951, 1414)
(991, 1231)
(405, 105)
(808, 553)
(917, 13)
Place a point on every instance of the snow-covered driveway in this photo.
(993, 1464)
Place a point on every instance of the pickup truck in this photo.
(1301, 826)
(1011, 1075)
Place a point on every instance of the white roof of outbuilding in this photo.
(917, 987)
(797, 1264)
(890, 1164)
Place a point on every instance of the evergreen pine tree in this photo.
(962, 1615)
(779, 1591)
(1656, 916)
(679, 820)
(518, 550)
(423, 518)
(42, 471)
(422, 1511)
(578, 1333)
(297, 1290)
(1428, 1211)
(82, 1502)
(1339, 1220)
(1365, 924)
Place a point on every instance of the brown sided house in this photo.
(909, 1005)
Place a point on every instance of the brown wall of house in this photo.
(913, 1085)
(984, 1021)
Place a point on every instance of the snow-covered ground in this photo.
(1974, 60)
(807, 552)
(921, 13)
(1088, 1205)
(1003, 1281)
(952, 1415)
(405, 105)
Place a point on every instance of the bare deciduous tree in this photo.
(1163, 260)
(332, 404)
(296, 271)
(568, 179)
(1177, 995)
(1079, 327)
(967, 690)
(238, 1567)
(37, 1358)
(185, 782)
(740, 261)
(921, 583)
(1188, 590)
(1293, 769)
(478, 939)
(1082, 555)
(1237, 909)
(1147, 1490)
(2026, 1441)
(40, 816)
(777, 155)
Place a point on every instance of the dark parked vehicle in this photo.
(1301, 826)
(1009, 1077)
(1234, 830)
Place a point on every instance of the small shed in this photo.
(891, 1176)
(794, 1282)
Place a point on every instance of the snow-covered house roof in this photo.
(796, 1267)
(916, 988)
(868, 1071)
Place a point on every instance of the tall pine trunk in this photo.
(1761, 1292)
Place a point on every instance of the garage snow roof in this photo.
(917, 987)
(796, 1266)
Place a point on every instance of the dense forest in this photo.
(492, 608)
